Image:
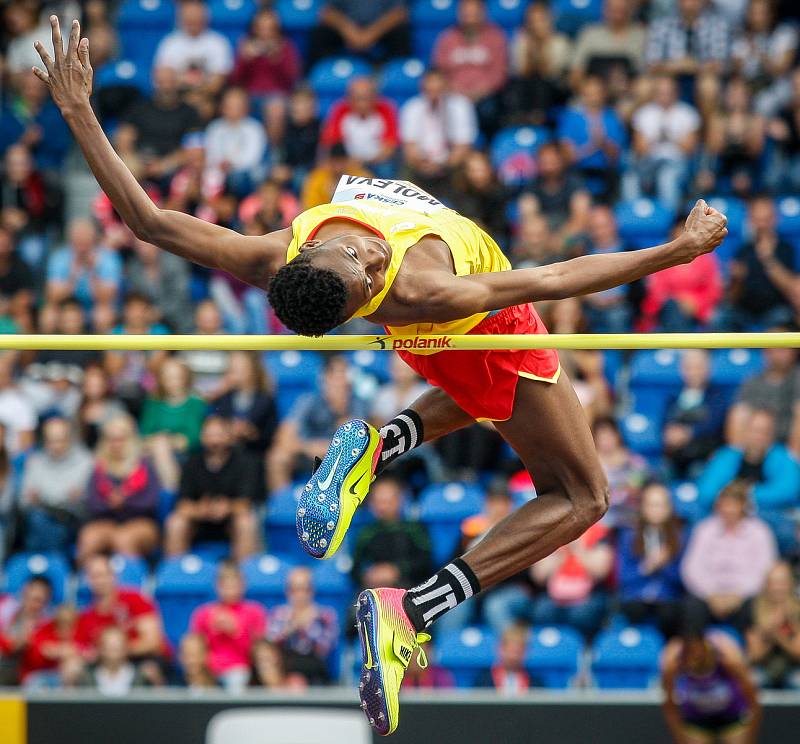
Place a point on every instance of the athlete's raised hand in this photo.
(68, 74)
(707, 228)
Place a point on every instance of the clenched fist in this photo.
(704, 231)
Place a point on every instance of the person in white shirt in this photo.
(16, 412)
(665, 135)
(437, 129)
(202, 57)
(236, 142)
(114, 675)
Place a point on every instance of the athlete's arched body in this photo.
(434, 271)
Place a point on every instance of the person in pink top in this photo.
(682, 298)
(726, 562)
(230, 626)
(474, 56)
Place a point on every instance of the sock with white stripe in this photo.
(400, 435)
(445, 590)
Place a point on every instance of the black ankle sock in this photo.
(401, 434)
(445, 590)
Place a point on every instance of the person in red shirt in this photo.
(126, 609)
(52, 645)
(508, 675)
(230, 626)
(367, 127)
(19, 621)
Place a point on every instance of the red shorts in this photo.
(484, 383)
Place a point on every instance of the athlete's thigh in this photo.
(739, 736)
(549, 431)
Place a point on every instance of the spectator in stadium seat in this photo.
(392, 551)
(379, 29)
(321, 182)
(556, 187)
(695, 416)
(539, 59)
(236, 143)
(172, 419)
(193, 658)
(692, 40)
(403, 388)
(508, 674)
(754, 299)
(122, 496)
(19, 620)
(8, 497)
(300, 140)
(202, 57)
(682, 298)
(113, 675)
(437, 129)
(230, 625)
(269, 668)
(271, 207)
(608, 311)
(248, 401)
(366, 124)
(727, 560)
(17, 414)
(208, 366)
(534, 243)
(783, 173)
(665, 137)
(22, 28)
(51, 646)
(612, 48)
(305, 432)
(764, 52)
(770, 471)
(219, 488)
(648, 562)
(98, 404)
(478, 194)
(163, 279)
(153, 129)
(127, 609)
(53, 489)
(574, 578)
(16, 283)
(626, 471)
(306, 632)
(87, 270)
(473, 55)
(777, 389)
(594, 137)
(733, 145)
(29, 118)
(773, 640)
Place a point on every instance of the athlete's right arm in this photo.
(69, 77)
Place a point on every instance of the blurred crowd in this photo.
(562, 133)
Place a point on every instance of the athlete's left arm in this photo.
(450, 297)
(734, 663)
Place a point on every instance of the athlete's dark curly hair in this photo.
(308, 300)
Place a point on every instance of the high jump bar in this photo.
(473, 342)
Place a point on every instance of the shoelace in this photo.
(422, 658)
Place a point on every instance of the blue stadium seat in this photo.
(232, 17)
(400, 79)
(731, 367)
(141, 25)
(182, 585)
(626, 658)
(684, 501)
(442, 508)
(466, 653)
(553, 656)
(298, 17)
(788, 208)
(655, 376)
(23, 566)
(279, 522)
(428, 19)
(643, 222)
(123, 73)
(736, 212)
(294, 373)
(333, 585)
(571, 15)
(329, 78)
(641, 434)
(212, 551)
(130, 572)
(376, 363)
(508, 14)
(513, 153)
(265, 578)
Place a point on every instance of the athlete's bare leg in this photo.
(549, 431)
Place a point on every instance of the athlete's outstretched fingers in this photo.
(74, 37)
(83, 56)
(58, 46)
(47, 60)
(41, 74)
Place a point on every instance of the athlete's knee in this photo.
(591, 501)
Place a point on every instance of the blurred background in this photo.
(147, 499)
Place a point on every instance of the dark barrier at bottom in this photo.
(332, 719)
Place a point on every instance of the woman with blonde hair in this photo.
(122, 495)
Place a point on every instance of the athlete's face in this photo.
(359, 261)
